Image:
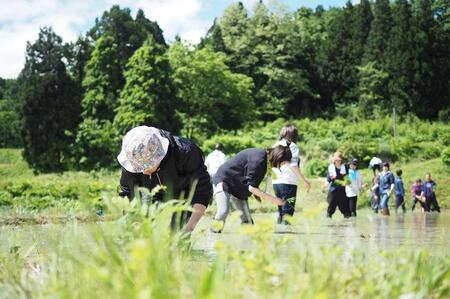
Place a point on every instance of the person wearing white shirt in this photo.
(288, 174)
(215, 159)
(352, 190)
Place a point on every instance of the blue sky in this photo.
(20, 20)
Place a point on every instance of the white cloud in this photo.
(20, 21)
(180, 17)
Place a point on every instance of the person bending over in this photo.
(240, 176)
(152, 157)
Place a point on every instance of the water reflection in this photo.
(370, 232)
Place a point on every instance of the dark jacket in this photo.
(428, 188)
(398, 187)
(182, 165)
(246, 168)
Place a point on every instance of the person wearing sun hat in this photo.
(150, 157)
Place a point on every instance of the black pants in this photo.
(422, 204)
(337, 198)
(400, 202)
(352, 205)
(432, 204)
(287, 193)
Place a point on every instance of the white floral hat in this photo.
(142, 147)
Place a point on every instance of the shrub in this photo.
(5, 198)
(232, 144)
(446, 156)
(316, 167)
(429, 150)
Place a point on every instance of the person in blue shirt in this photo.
(399, 192)
(429, 188)
(386, 184)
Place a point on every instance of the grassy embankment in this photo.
(29, 198)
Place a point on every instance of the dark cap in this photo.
(219, 146)
(354, 161)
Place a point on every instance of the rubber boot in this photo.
(279, 219)
(386, 212)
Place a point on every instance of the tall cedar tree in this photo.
(399, 61)
(378, 38)
(425, 102)
(149, 96)
(213, 38)
(51, 107)
(234, 27)
(286, 68)
(377, 42)
(95, 146)
(78, 54)
(363, 22)
(312, 56)
(117, 36)
(340, 73)
(441, 13)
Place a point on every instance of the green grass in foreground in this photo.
(140, 257)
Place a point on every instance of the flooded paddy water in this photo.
(368, 232)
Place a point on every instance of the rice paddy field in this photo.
(59, 247)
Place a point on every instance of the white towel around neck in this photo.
(332, 170)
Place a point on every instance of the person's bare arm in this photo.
(196, 215)
(422, 197)
(391, 189)
(300, 175)
(257, 192)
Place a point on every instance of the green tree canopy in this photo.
(211, 97)
(371, 86)
(51, 108)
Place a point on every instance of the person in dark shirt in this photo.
(399, 192)
(240, 176)
(429, 188)
(153, 157)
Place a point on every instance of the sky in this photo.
(20, 20)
